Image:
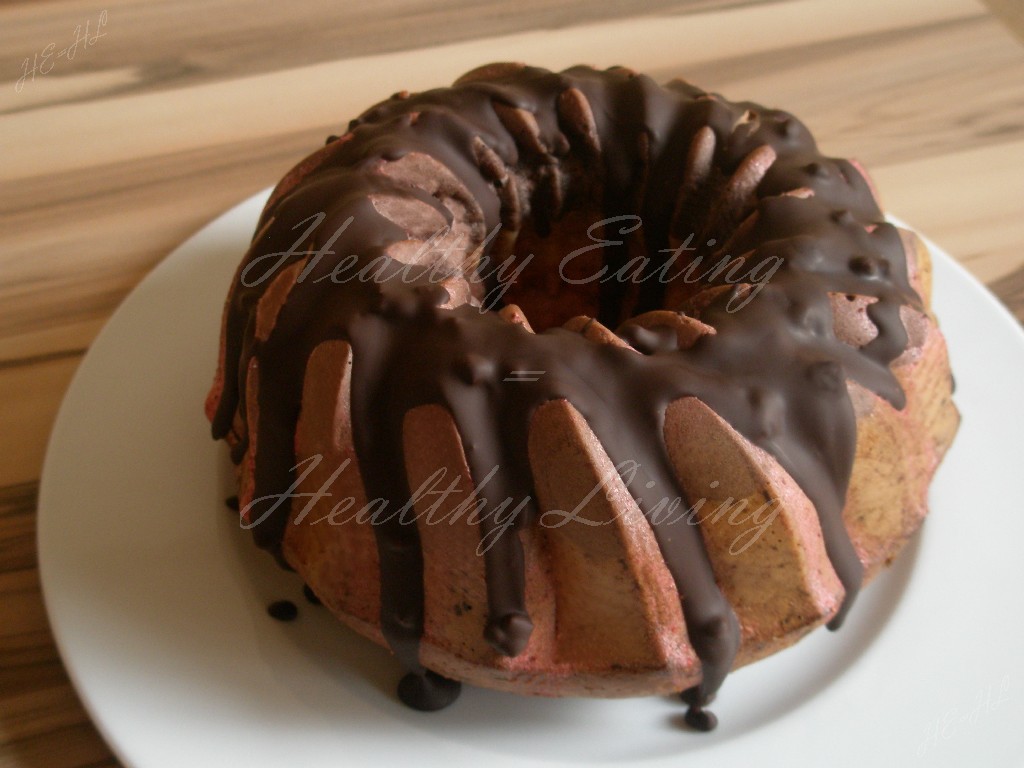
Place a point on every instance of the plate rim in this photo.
(47, 476)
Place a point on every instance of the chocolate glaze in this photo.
(698, 718)
(428, 692)
(773, 370)
(310, 595)
(283, 610)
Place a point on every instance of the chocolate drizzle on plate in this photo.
(283, 610)
(665, 168)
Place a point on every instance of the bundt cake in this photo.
(575, 384)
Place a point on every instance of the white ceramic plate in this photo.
(158, 600)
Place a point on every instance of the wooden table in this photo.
(125, 126)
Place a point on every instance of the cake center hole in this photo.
(605, 267)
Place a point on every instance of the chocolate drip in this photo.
(773, 369)
(310, 595)
(428, 692)
(696, 716)
(283, 610)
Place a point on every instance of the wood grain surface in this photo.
(127, 125)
